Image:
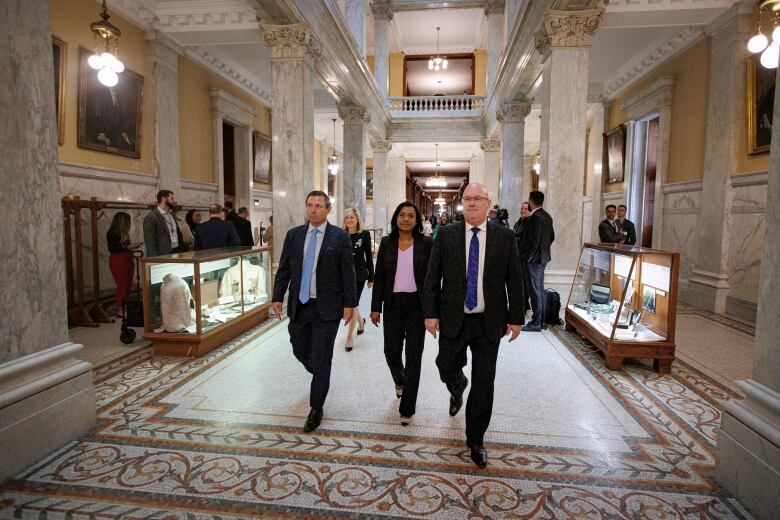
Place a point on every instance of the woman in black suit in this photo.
(364, 267)
(521, 238)
(401, 265)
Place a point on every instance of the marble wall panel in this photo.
(746, 241)
(682, 215)
(587, 217)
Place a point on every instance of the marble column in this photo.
(164, 57)
(324, 172)
(511, 8)
(382, 16)
(477, 168)
(600, 122)
(708, 284)
(564, 42)
(46, 396)
(380, 149)
(354, 12)
(292, 123)
(512, 118)
(491, 168)
(495, 43)
(354, 173)
(396, 180)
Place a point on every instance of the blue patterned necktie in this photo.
(308, 267)
(472, 274)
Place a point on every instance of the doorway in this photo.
(648, 197)
(229, 161)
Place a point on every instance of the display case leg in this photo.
(662, 366)
(569, 327)
(613, 362)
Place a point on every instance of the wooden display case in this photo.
(199, 300)
(624, 300)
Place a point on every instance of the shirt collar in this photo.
(535, 210)
(163, 212)
(482, 227)
(320, 228)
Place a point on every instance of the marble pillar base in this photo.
(46, 400)
(748, 453)
(707, 291)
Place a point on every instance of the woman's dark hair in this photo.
(188, 218)
(120, 226)
(418, 228)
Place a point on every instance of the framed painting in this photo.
(760, 105)
(369, 184)
(261, 151)
(109, 117)
(615, 148)
(59, 57)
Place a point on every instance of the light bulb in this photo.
(430, 64)
(95, 61)
(770, 56)
(444, 64)
(776, 35)
(758, 42)
(107, 58)
(108, 77)
(117, 66)
(436, 67)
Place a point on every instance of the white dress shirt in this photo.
(320, 236)
(172, 227)
(482, 237)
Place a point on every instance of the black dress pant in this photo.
(404, 320)
(312, 342)
(536, 274)
(451, 361)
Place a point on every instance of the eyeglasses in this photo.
(468, 200)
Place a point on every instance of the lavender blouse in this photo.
(404, 272)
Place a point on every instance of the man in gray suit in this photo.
(161, 232)
(608, 229)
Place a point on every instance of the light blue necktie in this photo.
(308, 265)
(472, 274)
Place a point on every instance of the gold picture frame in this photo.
(60, 60)
(369, 184)
(615, 152)
(262, 174)
(760, 106)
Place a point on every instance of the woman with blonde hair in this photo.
(364, 267)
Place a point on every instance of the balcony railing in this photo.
(436, 105)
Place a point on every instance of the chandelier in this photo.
(437, 62)
(440, 200)
(437, 181)
(770, 52)
(106, 63)
(333, 160)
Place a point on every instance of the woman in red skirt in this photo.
(120, 261)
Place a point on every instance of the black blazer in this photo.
(541, 235)
(629, 232)
(336, 287)
(607, 233)
(361, 253)
(386, 264)
(215, 233)
(445, 283)
(244, 231)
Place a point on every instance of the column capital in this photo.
(162, 50)
(382, 11)
(352, 115)
(294, 41)
(490, 145)
(515, 112)
(381, 146)
(567, 29)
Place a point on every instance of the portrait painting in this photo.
(59, 54)
(109, 117)
(331, 185)
(370, 183)
(615, 146)
(261, 151)
(760, 105)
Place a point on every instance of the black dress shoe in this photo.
(456, 401)
(532, 328)
(478, 454)
(313, 420)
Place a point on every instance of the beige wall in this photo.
(195, 124)
(371, 62)
(396, 75)
(480, 72)
(70, 21)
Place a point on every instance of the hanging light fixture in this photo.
(437, 62)
(440, 200)
(106, 63)
(436, 181)
(769, 49)
(333, 160)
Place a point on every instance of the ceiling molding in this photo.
(645, 63)
(231, 71)
(137, 12)
(623, 6)
(443, 49)
(395, 29)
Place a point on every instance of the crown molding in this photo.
(230, 71)
(443, 49)
(138, 12)
(644, 64)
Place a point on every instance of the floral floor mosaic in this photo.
(144, 462)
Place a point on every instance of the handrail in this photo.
(436, 103)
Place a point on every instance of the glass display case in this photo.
(624, 300)
(198, 300)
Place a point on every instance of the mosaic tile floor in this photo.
(220, 437)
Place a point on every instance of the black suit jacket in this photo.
(244, 231)
(215, 233)
(607, 233)
(629, 232)
(445, 283)
(539, 238)
(336, 286)
(386, 264)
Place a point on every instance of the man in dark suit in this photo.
(215, 232)
(316, 263)
(625, 227)
(540, 237)
(474, 296)
(608, 230)
(162, 235)
(244, 227)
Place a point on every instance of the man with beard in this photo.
(161, 232)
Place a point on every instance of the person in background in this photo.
(187, 236)
(244, 227)
(215, 232)
(401, 266)
(427, 228)
(625, 227)
(541, 235)
(230, 213)
(162, 235)
(444, 219)
(120, 259)
(521, 230)
(364, 268)
(193, 218)
(608, 230)
(268, 236)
